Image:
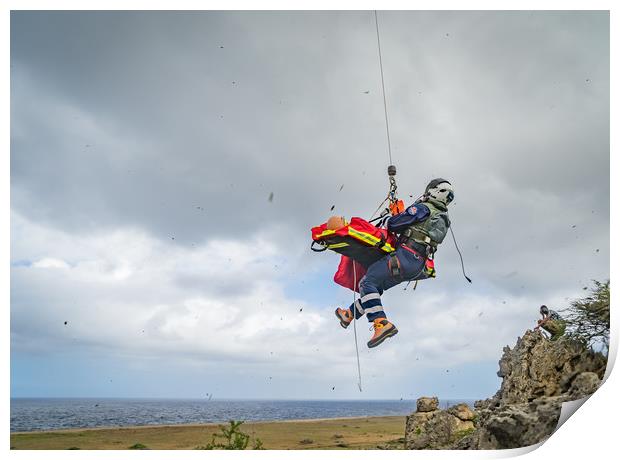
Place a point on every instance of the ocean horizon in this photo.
(59, 413)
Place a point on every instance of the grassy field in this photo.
(345, 433)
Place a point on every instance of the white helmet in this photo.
(440, 190)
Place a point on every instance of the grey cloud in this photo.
(185, 124)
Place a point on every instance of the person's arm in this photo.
(543, 320)
(411, 215)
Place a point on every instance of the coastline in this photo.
(198, 425)
(322, 433)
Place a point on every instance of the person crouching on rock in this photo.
(551, 322)
(420, 229)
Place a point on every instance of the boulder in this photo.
(462, 412)
(426, 404)
(515, 425)
(584, 384)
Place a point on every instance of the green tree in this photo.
(587, 319)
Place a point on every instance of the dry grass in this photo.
(353, 433)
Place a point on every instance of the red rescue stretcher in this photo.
(359, 242)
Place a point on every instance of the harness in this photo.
(412, 237)
(428, 271)
(422, 239)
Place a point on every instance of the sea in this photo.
(42, 414)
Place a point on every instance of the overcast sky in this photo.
(147, 258)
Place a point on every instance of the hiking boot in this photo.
(345, 316)
(383, 329)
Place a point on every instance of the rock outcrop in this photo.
(437, 429)
(537, 367)
(538, 375)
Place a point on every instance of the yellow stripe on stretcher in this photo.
(325, 233)
(370, 239)
(337, 245)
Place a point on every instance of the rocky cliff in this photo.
(538, 375)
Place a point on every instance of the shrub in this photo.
(233, 439)
(138, 446)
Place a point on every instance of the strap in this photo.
(318, 250)
(379, 244)
(394, 265)
(419, 237)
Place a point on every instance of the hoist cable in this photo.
(387, 124)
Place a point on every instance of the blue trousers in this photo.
(379, 278)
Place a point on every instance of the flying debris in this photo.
(597, 250)
(65, 323)
(332, 208)
(271, 197)
(301, 309)
(366, 92)
(573, 226)
(480, 314)
(333, 388)
(341, 187)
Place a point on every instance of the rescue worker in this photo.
(551, 322)
(420, 229)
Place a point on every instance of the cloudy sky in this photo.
(147, 258)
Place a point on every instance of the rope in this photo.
(459, 251)
(387, 125)
(357, 351)
(377, 210)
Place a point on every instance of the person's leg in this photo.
(379, 278)
(556, 328)
(551, 326)
(376, 280)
